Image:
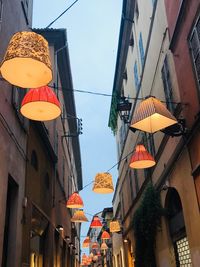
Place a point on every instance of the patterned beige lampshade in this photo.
(103, 183)
(79, 217)
(152, 116)
(115, 227)
(104, 246)
(27, 62)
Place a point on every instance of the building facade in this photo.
(40, 161)
(13, 135)
(157, 56)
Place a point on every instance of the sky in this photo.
(92, 33)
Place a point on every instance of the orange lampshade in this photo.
(27, 62)
(79, 217)
(103, 183)
(104, 246)
(86, 242)
(40, 104)
(95, 245)
(141, 158)
(96, 223)
(115, 227)
(74, 201)
(105, 235)
(152, 116)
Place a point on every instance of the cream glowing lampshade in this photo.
(96, 223)
(74, 201)
(27, 62)
(95, 258)
(141, 159)
(86, 242)
(103, 183)
(105, 235)
(79, 217)
(40, 104)
(115, 227)
(104, 246)
(152, 116)
(91, 255)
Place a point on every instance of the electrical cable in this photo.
(50, 24)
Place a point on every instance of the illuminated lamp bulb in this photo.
(152, 116)
(40, 104)
(27, 62)
(141, 158)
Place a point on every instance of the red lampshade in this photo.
(95, 245)
(86, 242)
(105, 235)
(96, 223)
(40, 104)
(74, 201)
(141, 158)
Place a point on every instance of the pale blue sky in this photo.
(93, 31)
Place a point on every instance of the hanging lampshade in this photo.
(152, 116)
(79, 216)
(84, 257)
(27, 62)
(115, 227)
(74, 201)
(98, 254)
(96, 223)
(95, 245)
(141, 158)
(40, 104)
(105, 235)
(86, 242)
(103, 183)
(104, 246)
(91, 255)
(95, 258)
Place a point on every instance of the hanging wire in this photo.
(50, 24)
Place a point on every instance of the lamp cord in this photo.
(50, 24)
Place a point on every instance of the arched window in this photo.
(177, 228)
(34, 160)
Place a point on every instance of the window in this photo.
(167, 85)
(183, 252)
(131, 184)
(17, 96)
(131, 41)
(136, 10)
(136, 76)
(9, 239)
(195, 49)
(34, 160)
(122, 135)
(136, 181)
(141, 47)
